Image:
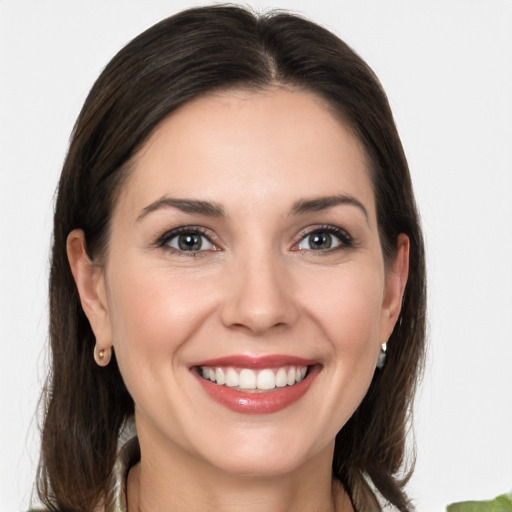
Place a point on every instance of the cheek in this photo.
(351, 310)
(153, 312)
(350, 319)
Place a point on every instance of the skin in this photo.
(257, 289)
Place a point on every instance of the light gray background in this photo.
(447, 68)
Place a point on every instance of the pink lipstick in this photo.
(256, 384)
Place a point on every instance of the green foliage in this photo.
(502, 503)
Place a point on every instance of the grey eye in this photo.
(319, 241)
(191, 242)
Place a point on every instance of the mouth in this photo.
(256, 385)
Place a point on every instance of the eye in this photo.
(190, 242)
(324, 239)
(187, 240)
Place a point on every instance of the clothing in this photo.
(128, 456)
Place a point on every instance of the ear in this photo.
(90, 282)
(396, 279)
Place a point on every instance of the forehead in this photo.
(254, 146)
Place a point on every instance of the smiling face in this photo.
(244, 289)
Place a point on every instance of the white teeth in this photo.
(247, 379)
(281, 378)
(219, 376)
(266, 380)
(231, 378)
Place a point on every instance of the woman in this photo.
(238, 272)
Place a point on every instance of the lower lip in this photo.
(259, 402)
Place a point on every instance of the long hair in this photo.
(183, 57)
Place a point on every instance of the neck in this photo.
(172, 479)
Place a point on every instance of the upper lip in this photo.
(256, 362)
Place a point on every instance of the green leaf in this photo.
(502, 503)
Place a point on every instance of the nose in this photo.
(259, 295)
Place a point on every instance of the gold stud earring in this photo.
(102, 356)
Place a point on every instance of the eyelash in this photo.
(163, 241)
(346, 241)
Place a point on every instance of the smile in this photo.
(249, 380)
(256, 385)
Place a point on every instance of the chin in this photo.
(264, 455)
(261, 465)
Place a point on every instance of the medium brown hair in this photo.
(183, 57)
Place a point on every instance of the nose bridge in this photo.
(258, 295)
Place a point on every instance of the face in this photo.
(244, 289)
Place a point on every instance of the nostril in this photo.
(257, 327)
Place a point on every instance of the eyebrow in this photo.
(207, 208)
(317, 204)
(212, 209)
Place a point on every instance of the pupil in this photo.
(189, 242)
(320, 241)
